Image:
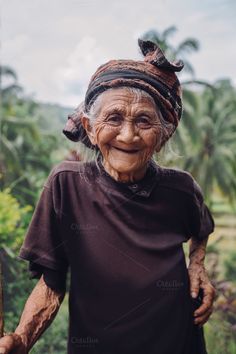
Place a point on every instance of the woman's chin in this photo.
(123, 167)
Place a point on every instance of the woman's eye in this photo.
(143, 122)
(114, 119)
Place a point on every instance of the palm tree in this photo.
(25, 154)
(12, 88)
(185, 47)
(207, 138)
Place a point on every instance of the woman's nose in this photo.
(127, 133)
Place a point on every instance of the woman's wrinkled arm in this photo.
(199, 280)
(39, 312)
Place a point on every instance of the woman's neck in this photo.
(131, 176)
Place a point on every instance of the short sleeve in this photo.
(201, 222)
(54, 279)
(43, 244)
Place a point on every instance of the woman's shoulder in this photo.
(67, 166)
(180, 180)
(69, 169)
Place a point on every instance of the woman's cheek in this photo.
(104, 134)
(151, 138)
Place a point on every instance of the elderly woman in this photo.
(118, 223)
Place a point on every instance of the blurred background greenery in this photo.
(204, 145)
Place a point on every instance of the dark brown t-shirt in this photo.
(129, 286)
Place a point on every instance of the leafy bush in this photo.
(17, 286)
(13, 220)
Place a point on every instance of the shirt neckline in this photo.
(142, 187)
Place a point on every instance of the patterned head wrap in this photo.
(155, 75)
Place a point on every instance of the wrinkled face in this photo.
(127, 130)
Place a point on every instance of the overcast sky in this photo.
(56, 45)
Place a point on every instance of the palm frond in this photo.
(169, 32)
(189, 45)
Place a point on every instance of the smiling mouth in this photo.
(126, 151)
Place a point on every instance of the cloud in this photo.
(15, 46)
(73, 77)
(55, 47)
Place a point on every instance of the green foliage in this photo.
(229, 264)
(29, 140)
(219, 336)
(13, 220)
(30, 145)
(220, 330)
(206, 139)
(17, 287)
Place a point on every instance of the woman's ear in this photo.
(89, 130)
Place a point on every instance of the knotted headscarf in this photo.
(155, 75)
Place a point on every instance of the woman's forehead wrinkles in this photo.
(114, 107)
(122, 104)
(132, 110)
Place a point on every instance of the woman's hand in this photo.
(199, 280)
(12, 343)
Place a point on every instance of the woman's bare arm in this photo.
(199, 279)
(39, 312)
